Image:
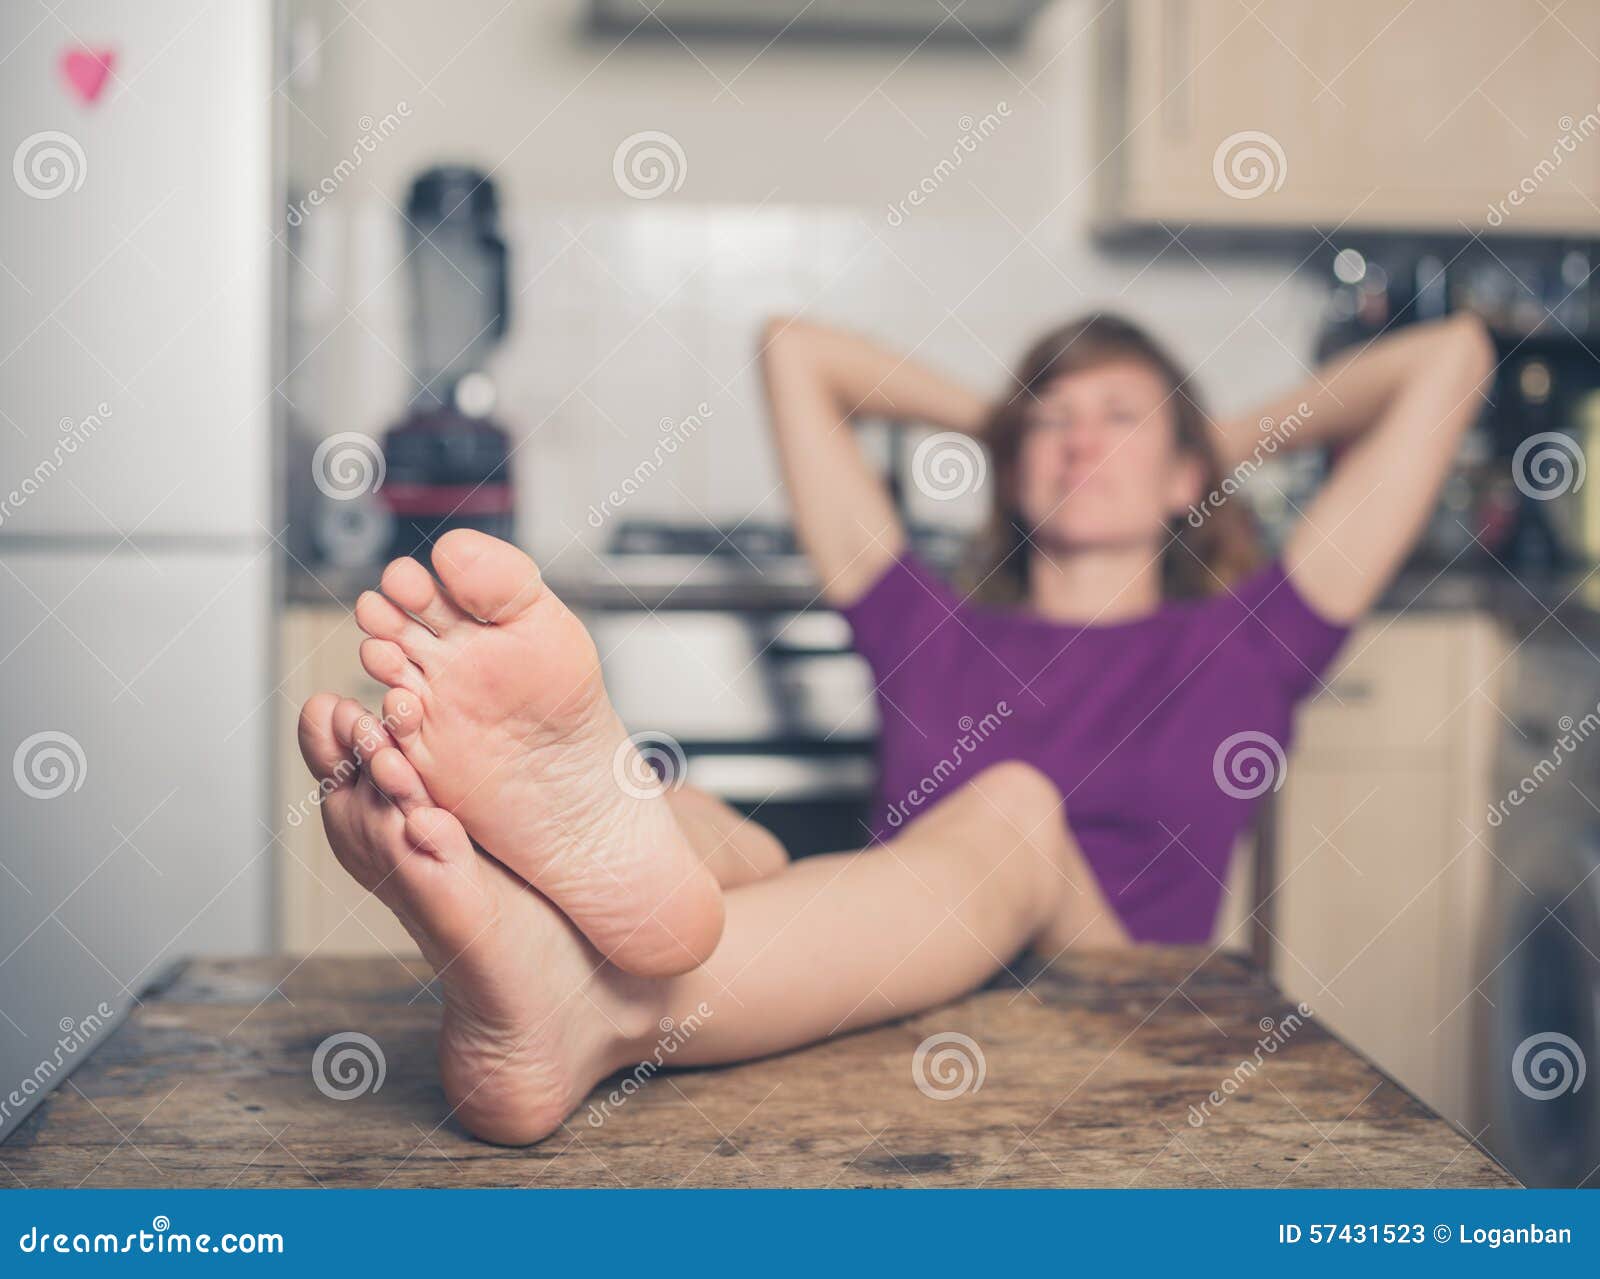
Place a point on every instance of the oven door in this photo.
(814, 801)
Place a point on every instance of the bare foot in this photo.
(524, 1036)
(496, 698)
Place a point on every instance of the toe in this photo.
(402, 712)
(412, 587)
(328, 759)
(387, 663)
(488, 578)
(382, 620)
(392, 773)
(358, 731)
(435, 831)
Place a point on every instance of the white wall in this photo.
(628, 311)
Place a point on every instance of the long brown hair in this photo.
(1207, 554)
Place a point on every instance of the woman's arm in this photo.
(819, 379)
(1401, 405)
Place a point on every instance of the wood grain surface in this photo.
(1090, 1069)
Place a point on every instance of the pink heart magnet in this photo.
(86, 71)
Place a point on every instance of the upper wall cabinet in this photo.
(1437, 114)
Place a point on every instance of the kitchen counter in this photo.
(1090, 1070)
(1573, 599)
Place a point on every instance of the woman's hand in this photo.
(818, 381)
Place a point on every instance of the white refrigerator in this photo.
(138, 261)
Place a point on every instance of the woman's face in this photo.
(1099, 465)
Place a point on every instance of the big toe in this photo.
(488, 578)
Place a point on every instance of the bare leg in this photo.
(732, 847)
(534, 1016)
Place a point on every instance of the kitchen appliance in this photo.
(1539, 1012)
(136, 526)
(448, 464)
(717, 654)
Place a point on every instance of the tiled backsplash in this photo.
(627, 319)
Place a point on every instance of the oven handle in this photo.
(752, 778)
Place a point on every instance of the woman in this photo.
(1142, 659)
(572, 911)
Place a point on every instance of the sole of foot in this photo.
(496, 699)
(522, 1040)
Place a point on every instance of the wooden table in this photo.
(1090, 1070)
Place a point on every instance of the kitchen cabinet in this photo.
(1378, 892)
(1364, 114)
(321, 909)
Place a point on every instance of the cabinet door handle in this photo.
(1348, 692)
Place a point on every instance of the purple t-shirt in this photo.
(1160, 732)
